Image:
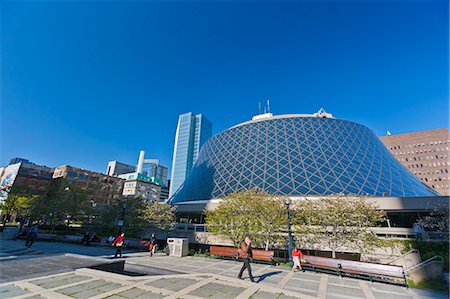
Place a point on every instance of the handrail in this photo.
(425, 262)
(403, 255)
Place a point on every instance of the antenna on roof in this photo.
(259, 107)
(268, 106)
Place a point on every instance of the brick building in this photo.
(426, 154)
(102, 188)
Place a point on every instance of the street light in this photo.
(120, 222)
(287, 203)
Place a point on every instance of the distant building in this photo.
(30, 177)
(192, 132)
(165, 192)
(101, 188)
(115, 168)
(152, 169)
(140, 185)
(425, 154)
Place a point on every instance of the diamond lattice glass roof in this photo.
(295, 155)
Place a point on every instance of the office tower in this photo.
(115, 168)
(424, 153)
(152, 169)
(192, 132)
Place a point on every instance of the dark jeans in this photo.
(30, 240)
(118, 251)
(248, 267)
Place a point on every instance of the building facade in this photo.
(100, 188)
(140, 185)
(298, 155)
(192, 132)
(29, 177)
(425, 154)
(116, 168)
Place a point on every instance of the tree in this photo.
(337, 222)
(253, 212)
(19, 203)
(160, 215)
(63, 203)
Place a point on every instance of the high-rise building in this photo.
(116, 168)
(152, 169)
(425, 154)
(192, 132)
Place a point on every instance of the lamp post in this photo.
(120, 222)
(287, 203)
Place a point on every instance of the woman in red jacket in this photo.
(297, 255)
(118, 242)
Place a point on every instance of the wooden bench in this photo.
(379, 272)
(233, 253)
(223, 251)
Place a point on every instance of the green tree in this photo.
(159, 215)
(19, 203)
(64, 203)
(253, 212)
(337, 222)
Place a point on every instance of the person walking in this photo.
(32, 235)
(297, 255)
(246, 253)
(152, 245)
(118, 243)
(110, 239)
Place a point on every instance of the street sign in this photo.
(120, 222)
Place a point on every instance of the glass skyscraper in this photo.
(192, 132)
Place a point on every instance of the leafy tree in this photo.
(19, 203)
(337, 222)
(251, 212)
(160, 215)
(64, 202)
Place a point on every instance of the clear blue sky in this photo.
(87, 82)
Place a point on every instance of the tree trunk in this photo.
(267, 245)
(333, 253)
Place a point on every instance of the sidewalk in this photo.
(200, 278)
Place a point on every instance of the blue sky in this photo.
(87, 82)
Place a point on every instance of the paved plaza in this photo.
(171, 277)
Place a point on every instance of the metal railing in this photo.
(403, 255)
(425, 263)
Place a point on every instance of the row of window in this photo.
(422, 144)
(423, 158)
(434, 164)
(436, 149)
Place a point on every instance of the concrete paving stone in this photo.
(35, 297)
(283, 296)
(305, 287)
(344, 281)
(389, 287)
(109, 287)
(96, 283)
(72, 290)
(114, 297)
(9, 291)
(382, 295)
(264, 295)
(343, 292)
(131, 293)
(72, 277)
(216, 291)
(172, 284)
(150, 295)
(86, 294)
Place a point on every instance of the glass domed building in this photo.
(298, 155)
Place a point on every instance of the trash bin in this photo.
(178, 246)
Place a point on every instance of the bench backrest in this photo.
(223, 251)
(372, 268)
(262, 255)
(355, 266)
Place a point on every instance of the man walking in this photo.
(152, 245)
(246, 253)
(32, 235)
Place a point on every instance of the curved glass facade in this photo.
(293, 155)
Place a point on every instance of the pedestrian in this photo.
(85, 238)
(418, 230)
(152, 245)
(110, 239)
(246, 253)
(297, 257)
(118, 243)
(32, 235)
